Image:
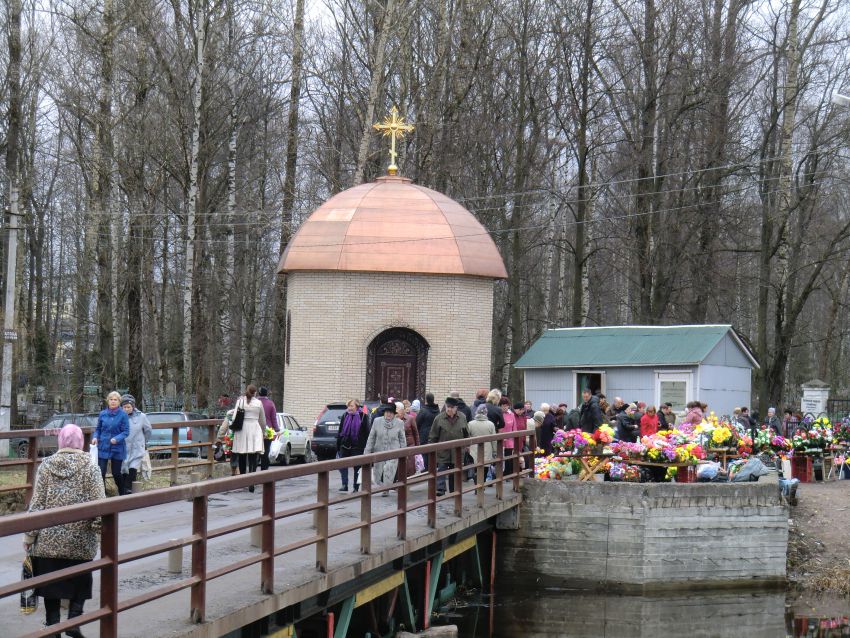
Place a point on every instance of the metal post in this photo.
(500, 468)
(480, 476)
(198, 602)
(175, 454)
(9, 334)
(458, 480)
(211, 432)
(432, 492)
(330, 624)
(109, 576)
(322, 523)
(426, 616)
(267, 540)
(493, 564)
(401, 519)
(366, 509)
(32, 457)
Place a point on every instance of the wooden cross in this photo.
(395, 127)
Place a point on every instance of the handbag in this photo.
(29, 601)
(238, 418)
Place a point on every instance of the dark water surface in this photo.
(551, 613)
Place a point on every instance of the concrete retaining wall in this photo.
(642, 537)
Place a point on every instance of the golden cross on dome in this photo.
(395, 127)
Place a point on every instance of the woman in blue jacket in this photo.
(113, 427)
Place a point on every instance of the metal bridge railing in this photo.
(111, 605)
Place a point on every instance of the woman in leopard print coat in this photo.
(65, 478)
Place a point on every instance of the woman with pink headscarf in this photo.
(65, 478)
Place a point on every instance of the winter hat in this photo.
(519, 405)
(415, 406)
(451, 402)
(399, 407)
(539, 417)
(71, 436)
(481, 409)
(128, 398)
(389, 407)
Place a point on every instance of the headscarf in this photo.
(399, 408)
(71, 436)
(415, 406)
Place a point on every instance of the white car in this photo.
(296, 440)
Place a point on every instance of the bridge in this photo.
(213, 559)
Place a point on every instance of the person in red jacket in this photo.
(649, 422)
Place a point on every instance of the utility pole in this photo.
(13, 135)
(9, 333)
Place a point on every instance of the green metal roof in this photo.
(626, 346)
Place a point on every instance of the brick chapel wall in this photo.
(335, 315)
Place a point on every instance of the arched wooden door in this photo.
(396, 365)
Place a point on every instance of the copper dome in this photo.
(393, 225)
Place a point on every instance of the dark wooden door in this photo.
(396, 376)
(396, 363)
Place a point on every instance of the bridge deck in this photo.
(235, 600)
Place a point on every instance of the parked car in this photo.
(296, 440)
(47, 445)
(162, 436)
(323, 442)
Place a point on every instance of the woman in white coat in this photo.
(248, 442)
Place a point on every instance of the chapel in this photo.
(389, 294)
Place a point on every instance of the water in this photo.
(558, 613)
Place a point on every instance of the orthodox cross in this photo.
(395, 127)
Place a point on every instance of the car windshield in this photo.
(331, 415)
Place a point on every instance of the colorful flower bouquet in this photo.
(572, 442)
(618, 471)
(841, 433)
(227, 444)
(552, 468)
(603, 435)
(666, 446)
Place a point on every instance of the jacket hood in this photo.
(431, 407)
(66, 463)
(481, 417)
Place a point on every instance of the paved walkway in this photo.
(235, 599)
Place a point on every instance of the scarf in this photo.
(351, 427)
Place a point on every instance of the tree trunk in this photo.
(377, 79)
(288, 204)
(13, 137)
(192, 204)
(102, 181)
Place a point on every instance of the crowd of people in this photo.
(120, 437)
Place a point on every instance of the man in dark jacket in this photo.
(591, 415)
(425, 419)
(461, 406)
(351, 440)
(627, 425)
(547, 429)
(449, 425)
(494, 412)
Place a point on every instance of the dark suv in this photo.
(323, 443)
(49, 444)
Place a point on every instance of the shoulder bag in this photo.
(239, 417)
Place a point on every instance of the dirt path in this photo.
(819, 541)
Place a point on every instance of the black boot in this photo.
(51, 613)
(75, 608)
